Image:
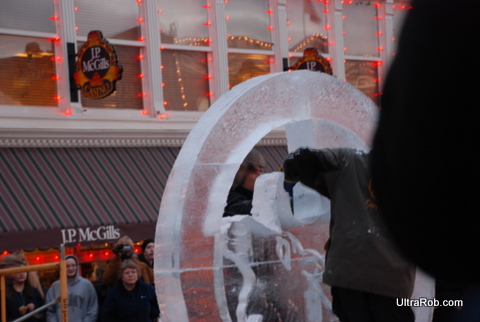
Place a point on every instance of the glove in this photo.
(300, 164)
(306, 165)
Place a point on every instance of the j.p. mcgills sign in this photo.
(97, 67)
(88, 234)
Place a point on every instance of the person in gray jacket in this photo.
(82, 297)
(366, 272)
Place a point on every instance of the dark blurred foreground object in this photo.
(426, 169)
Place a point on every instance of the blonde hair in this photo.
(32, 276)
(129, 263)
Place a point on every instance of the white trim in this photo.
(119, 42)
(186, 48)
(27, 33)
(151, 64)
(111, 138)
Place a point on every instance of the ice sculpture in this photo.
(265, 266)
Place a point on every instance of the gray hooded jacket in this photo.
(82, 300)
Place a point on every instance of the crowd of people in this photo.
(125, 292)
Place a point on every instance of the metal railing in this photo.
(63, 299)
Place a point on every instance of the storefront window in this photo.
(128, 93)
(364, 76)
(242, 67)
(28, 69)
(400, 9)
(307, 25)
(183, 22)
(185, 80)
(116, 19)
(27, 15)
(248, 24)
(360, 26)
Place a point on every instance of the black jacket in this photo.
(139, 304)
(239, 202)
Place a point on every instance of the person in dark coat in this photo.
(130, 299)
(148, 247)
(239, 200)
(425, 168)
(364, 268)
(21, 297)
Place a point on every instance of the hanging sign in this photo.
(312, 60)
(97, 67)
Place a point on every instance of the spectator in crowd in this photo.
(21, 297)
(130, 299)
(366, 272)
(82, 297)
(239, 200)
(148, 248)
(33, 278)
(124, 250)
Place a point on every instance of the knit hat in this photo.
(145, 244)
(11, 261)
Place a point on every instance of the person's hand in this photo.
(23, 310)
(30, 307)
(301, 164)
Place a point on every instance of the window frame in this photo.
(155, 117)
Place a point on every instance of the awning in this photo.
(54, 196)
(70, 196)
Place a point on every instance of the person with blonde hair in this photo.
(21, 297)
(130, 299)
(33, 278)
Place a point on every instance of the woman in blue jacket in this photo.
(130, 299)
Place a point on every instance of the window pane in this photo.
(247, 20)
(128, 93)
(115, 19)
(242, 67)
(364, 76)
(28, 69)
(185, 78)
(182, 22)
(306, 25)
(360, 28)
(400, 9)
(33, 15)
